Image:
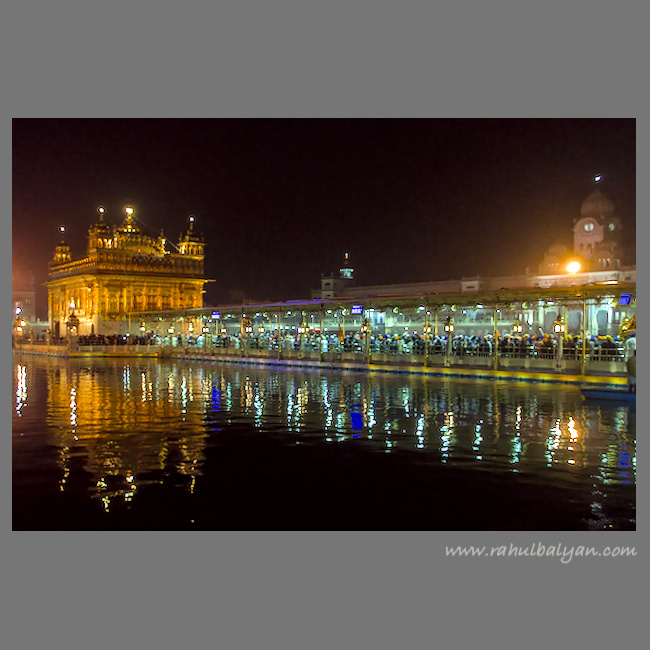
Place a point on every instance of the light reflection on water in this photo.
(137, 423)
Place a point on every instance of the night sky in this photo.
(280, 201)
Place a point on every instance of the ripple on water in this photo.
(436, 452)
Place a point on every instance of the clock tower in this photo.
(596, 232)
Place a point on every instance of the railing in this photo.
(533, 359)
(599, 361)
(118, 349)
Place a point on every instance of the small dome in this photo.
(558, 250)
(597, 205)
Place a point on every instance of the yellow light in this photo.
(128, 210)
(100, 210)
(573, 267)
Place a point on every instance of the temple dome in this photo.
(597, 205)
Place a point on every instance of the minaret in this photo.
(99, 234)
(346, 272)
(62, 251)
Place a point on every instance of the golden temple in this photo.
(123, 271)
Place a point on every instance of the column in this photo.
(495, 340)
(583, 352)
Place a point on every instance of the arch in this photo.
(602, 321)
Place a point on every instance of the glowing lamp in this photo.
(128, 210)
(573, 267)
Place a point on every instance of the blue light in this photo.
(357, 421)
(216, 399)
(356, 310)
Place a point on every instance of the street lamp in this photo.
(302, 330)
(427, 337)
(558, 328)
(365, 333)
(449, 329)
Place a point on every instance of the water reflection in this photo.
(136, 422)
(21, 388)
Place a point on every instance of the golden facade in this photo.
(124, 271)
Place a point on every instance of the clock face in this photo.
(589, 227)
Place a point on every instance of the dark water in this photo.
(146, 444)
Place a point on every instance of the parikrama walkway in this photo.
(599, 373)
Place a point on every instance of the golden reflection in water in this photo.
(122, 425)
(126, 419)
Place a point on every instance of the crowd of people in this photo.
(542, 346)
(118, 339)
(607, 348)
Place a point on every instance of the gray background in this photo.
(291, 59)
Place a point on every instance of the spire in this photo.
(62, 251)
(190, 244)
(128, 225)
(346, 272)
